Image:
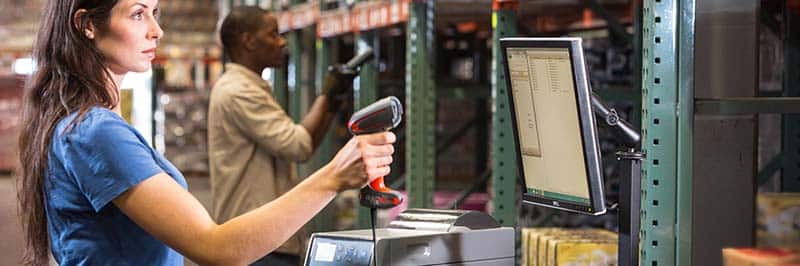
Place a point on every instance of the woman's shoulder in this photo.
(96, 120)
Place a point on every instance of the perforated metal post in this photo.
(420, 105)
(685, 112)
(667, 116)
(326, 149)
(365, 92)
(295, 77)
(365, 89)
(503, 160)
(280, 76)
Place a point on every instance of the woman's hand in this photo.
(362, 159)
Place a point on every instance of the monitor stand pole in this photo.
(630, 192)
(629, 206)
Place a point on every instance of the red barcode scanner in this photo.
(383, 115)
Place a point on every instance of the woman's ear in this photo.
(83, 24)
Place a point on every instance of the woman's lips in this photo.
(151, 53)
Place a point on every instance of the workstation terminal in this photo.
(553, 117)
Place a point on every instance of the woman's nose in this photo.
(155, 31)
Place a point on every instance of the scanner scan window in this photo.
(548, 125)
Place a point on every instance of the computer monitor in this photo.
(558, 155)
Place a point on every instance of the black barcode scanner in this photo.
(359, 59)
(354, 63)
(383, 115)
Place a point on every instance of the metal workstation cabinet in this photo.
(419, 237)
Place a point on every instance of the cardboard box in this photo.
(760, 257)
(536, 242)
(584, 252)
(777, 219)
(594, 242)
(533, 236)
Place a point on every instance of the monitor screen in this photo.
(553, 123)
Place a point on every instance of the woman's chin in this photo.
(140, 69)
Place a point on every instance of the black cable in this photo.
(372, 212)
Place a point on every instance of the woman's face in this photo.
(130, 40)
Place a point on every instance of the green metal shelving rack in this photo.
(667, 118)
(280, 83)
(326, 149)
(667, 115)
(294, 83)
(365, 91)
(420, 105)
(503, 151)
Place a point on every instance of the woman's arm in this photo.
(171, 214)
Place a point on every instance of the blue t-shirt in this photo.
(90, 165)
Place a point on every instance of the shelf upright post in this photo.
(503, 151)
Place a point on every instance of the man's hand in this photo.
(337, 83)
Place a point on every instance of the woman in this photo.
(93, 193)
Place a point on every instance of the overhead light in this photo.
(266, 74)
(24, 66)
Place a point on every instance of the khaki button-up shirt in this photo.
(252, 144)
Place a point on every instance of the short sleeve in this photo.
(106, 157)
(259, 117)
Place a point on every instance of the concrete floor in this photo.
(11, 246)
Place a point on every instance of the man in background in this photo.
(253, 144)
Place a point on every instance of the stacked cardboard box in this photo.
(778, 220)
(777, 237)
(760, 257)
(558, 246)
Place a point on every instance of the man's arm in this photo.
(337, 83)
(318, 119)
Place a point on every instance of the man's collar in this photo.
(249, 74)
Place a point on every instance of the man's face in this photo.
(271, 44)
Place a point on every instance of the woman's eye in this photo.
(138, 15)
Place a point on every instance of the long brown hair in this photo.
(71, 76)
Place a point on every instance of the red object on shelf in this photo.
(793, 5)
(505, 5)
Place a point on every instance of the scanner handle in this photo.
(359, 59)
(378, 195)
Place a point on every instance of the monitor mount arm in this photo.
(630, 176)
(623, 129)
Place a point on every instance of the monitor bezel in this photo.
(588, 128)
